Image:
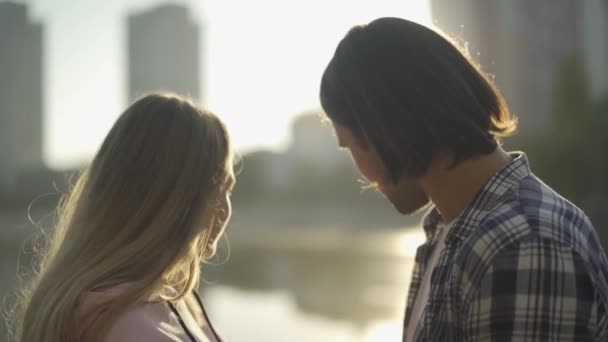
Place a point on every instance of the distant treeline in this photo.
(573, 157)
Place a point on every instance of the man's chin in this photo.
(406, 200)
(410, 208)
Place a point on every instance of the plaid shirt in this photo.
(520, 263)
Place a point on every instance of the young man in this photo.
(506, 258)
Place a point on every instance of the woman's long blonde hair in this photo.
(137, 214)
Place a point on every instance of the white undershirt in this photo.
(422, 297)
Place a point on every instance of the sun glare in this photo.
(265, 69)
(262, 60)
(385, 331)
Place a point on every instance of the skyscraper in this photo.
(164, 53)
(523, 43)
(21, 90)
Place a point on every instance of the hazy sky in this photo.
(264, 63)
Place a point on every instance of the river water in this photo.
(301, 283)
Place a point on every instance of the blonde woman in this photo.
(123, 261)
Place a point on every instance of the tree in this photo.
(572, 159)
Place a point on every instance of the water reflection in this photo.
(313, 284)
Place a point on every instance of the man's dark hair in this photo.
(410, 92)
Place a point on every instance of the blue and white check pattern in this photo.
(521, 263)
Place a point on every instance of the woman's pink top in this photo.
(155, 321)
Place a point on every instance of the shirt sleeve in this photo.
(537, 290)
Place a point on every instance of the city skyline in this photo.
(263, 69)
(252, 87)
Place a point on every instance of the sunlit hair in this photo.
(410, 92)
(137, 214)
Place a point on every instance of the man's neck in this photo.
(453, 189)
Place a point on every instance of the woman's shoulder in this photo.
(143, 322)
(139, 323)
